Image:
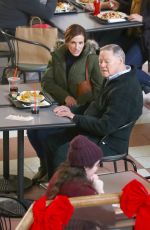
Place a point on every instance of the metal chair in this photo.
(10, 208)
(119, 156)
(12, 42)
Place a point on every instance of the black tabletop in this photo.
(90, 23)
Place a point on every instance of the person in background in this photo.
(121, 5)
(66, 71)
(117, 35)
(15, 13)
(115, 106)
(138, 49)
(77, 175)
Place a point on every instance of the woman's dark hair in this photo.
(74, 30)
(66, 173)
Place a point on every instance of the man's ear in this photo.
(121, 60)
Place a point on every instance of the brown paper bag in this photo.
(31, 54)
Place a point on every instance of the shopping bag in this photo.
(31, 54)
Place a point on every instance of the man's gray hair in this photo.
(116, 49)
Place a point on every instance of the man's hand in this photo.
(63, 111)
(135, 17)
(70, 101)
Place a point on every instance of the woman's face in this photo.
(91, 171)
(76, 45)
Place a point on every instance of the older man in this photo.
(115, 107)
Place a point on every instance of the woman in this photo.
(139, 50)
(66, 70)
(77, 176)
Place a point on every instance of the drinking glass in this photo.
(13, 86)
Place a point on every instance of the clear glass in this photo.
(14, 86)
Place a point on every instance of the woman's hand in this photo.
(63, 111)
(97, 184)
(114, 5)
(135, 17)
(70, 101)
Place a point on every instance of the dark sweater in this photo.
(15, 13)
(120, 102)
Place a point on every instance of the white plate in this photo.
(41, 104)
(28, 96)
(112, 16)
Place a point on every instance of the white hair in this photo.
(116, 49)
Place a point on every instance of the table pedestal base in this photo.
(11, 184)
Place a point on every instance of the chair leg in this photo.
(4, 74)
(40, 76)
(126, 165)
(115, 166)
(132, 162)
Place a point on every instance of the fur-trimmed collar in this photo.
(94, 47)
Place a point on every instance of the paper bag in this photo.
(33, 54)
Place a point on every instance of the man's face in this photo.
(76, 45)
(109, 63)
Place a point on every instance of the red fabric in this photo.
(45, 26)
(53, 217)
(135, 200)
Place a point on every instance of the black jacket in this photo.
(15, 13)
(117, 106)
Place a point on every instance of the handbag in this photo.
(85, 86)
(31, 54)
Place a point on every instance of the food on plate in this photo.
(64, 7)
(30, 96)
(111, 15)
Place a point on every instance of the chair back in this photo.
(119, 133)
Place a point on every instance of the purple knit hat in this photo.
(83, 153)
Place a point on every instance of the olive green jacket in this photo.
(59, 86)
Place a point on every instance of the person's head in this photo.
(83, 153)
(111, 60)
(75, 38)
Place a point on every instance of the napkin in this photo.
(19, 117)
